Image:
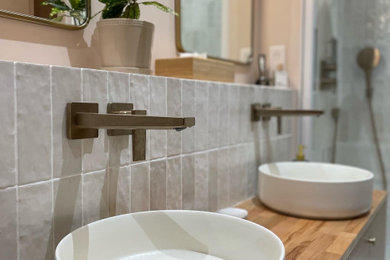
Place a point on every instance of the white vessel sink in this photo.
(316, 190)
(171, 235)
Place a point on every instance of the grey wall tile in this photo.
(223, 115)
(246, 99)
(174, 93)
(188, 108)
(67, 206)
(95, 196)
(173, 188)
(8, 224)
(140, 196)
(201, 181)
(253, 164)
(158, 180)
(35, 221)
(119, 190)
(188, 182)
(202, 115)
(234, 175)
(243, 172)
(119, 92)
(213, 181)
(66, 88)
(7, 131)
(33, 122)
(234, 115)
(213, 111)
(95, 151)
(120, 150)
(118, 87)
(139, 91)
(95, 87)
(158, 107)
(223, 178)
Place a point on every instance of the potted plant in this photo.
(126, 41)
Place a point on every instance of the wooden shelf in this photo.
(313, 239)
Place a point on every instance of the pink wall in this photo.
(21, 41)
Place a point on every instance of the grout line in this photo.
(51, 154)
(108, 164)
(82, 152)
(150, 143)
(16, 163)
(130, 142)
(227, 147)
(166, 114)
(181, 114)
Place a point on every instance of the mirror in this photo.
(67, 14)
(222, 29)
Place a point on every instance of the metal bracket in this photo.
(256, 116)
(75, 132)
(138, 136)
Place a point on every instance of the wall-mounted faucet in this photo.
(266, 111)
(83, 121)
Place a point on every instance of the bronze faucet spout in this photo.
(83, 121)
(265, 111)
(131, 122)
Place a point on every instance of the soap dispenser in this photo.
(300, 156)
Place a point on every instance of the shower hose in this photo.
(376, 139)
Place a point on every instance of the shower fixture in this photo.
(328, 77)
(368, 59)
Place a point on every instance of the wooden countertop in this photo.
(313, 239)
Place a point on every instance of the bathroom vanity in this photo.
(358, 238)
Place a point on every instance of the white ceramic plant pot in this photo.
(125, 43)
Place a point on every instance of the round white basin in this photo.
(167, 235)
(316, 190)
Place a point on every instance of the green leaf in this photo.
(57, 4)
(75, 4)
(160, 6)
(114, 11)
(112, 2)
(132, 11)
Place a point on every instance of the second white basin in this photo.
(316, 190)
(169, 235)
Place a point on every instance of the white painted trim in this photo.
(306, 99)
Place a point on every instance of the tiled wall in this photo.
(360, 23)
(50, 185)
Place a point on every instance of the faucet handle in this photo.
(119, 108)
(139, 140)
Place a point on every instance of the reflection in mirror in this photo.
(62, 13)
(220, 28)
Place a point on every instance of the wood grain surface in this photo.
(309, 238)
(195, 68)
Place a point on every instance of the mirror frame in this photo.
(46, 21)
(179, 44)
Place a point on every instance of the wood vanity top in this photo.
(313, 239)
